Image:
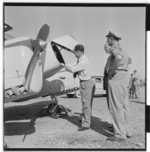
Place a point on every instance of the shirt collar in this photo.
(81, 57)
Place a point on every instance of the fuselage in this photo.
(26, 79)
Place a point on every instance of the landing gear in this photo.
(54, 109)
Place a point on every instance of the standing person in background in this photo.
(87, 86)
(107, 69)
(106, 78)
(119, 106)
(136, 80)
(131, 87)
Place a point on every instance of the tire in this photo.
(70, 95)
(55, 112)
(78, 94)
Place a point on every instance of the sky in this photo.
(89, 25)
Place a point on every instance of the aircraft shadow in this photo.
(12, 115)
(96, 124)
(18, 128)
(23, 112)
(37, 110)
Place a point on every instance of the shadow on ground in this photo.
(96, 124)
(20, 120)
(18, 128)
(29, 113)
(137, 101)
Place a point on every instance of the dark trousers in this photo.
(105, 86)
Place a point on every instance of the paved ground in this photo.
(27, 125)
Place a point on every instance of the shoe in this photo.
(83, 128)
(129, 136)
(110, 129)
(55, 116)
(114, 139)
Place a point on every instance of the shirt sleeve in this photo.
(107, 65)
(115, 65)
(79, 67)
(117, 51)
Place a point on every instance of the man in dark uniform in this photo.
(119, 106)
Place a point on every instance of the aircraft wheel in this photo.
(78, 94)
(54, 112)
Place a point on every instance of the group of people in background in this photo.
(134, 85)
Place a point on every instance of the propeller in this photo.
(33, 80)
(43, 33)
(42, 36)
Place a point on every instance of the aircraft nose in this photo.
(42, 44)
(38, 45)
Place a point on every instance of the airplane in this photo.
(30, 66)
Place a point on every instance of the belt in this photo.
(85, 80)
(121, 70)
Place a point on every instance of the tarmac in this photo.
(27, 125)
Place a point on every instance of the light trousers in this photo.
(119, 106)
(87, 89)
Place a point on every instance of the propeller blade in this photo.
(33, 81)
(43, 33)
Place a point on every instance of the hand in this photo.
(75, 75)
(62, 64)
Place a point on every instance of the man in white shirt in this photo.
(87, 86)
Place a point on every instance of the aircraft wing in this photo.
(67, 42)
(6, 29)
(8, 37)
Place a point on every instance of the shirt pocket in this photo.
(82, 85)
